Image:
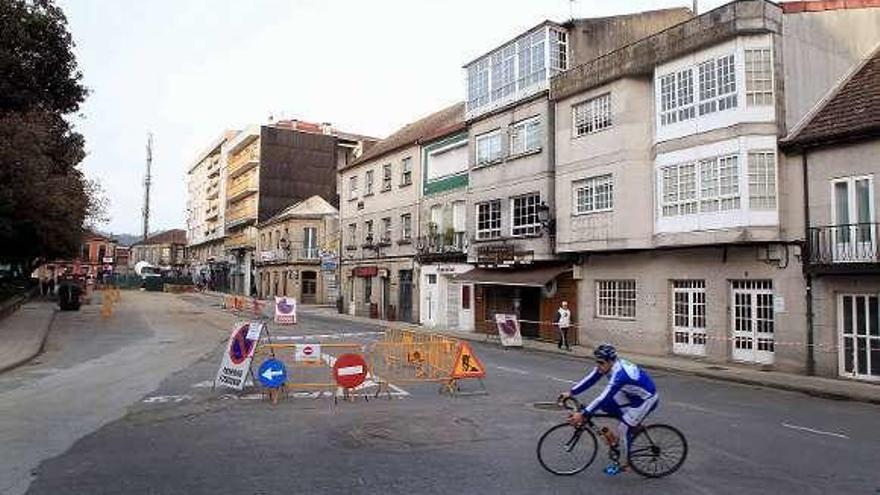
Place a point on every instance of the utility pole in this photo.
(147, 185)
(695, 7)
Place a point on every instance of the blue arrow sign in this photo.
(272, 373)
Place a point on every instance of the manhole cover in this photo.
(716, 368)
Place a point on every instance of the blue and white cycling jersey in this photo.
(628, 386)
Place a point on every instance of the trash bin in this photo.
(69, 293)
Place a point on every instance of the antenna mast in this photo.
(147, 180)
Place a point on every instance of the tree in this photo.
(45, 201)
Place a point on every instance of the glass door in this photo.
(859, 328)
(853, 215)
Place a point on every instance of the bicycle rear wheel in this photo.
(657, 451)
(565, 450)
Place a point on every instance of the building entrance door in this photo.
(689, 317)
(752, 320)
(405, 294)
(858, 323)
(309, 287)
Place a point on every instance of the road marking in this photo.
(563, 380)
(818, 432)
(162, 399)
(512, 370)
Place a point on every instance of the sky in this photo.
(185, 70)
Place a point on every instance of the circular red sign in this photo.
(350, 370)
(308, 350)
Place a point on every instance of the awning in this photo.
(524, 277)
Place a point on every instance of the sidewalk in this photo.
(829, 388)
(24, 332)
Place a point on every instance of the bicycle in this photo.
(655, 451)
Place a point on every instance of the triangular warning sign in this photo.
(467, 365)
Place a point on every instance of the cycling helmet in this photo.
(605, 352)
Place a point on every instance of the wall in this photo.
(651, 331)
(820, 48)
(513, 176)
(623, 150)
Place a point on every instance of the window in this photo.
(489, 219)
(677, 97)
(530, 50)
(759, 77)
(310, 242)
(719, 184)
(368, 232)
(762, 180)
(406, 226)
(478, 84)
(386, 177)
(616, 299)
(489, 147)
(465, 297)
(458, 216)
(368, 290)
(436, 224)
(406, 171)
(558, 51)
(368, 183)
(386, 229)
(679, 195)
(594, 194)
(352, 234)
(708, 88)
(353, 187)
(524, 215)
(726, 69)
(592, 115)
(503, 72)
(525, 136)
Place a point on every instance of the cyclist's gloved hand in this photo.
(576, 419)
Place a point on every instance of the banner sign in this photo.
(508, 330)
(239, 352)
(285, 310)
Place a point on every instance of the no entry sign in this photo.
(350, 370)
(308, 352)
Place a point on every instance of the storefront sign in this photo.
(329, 262)
(365, 271)
(502, 254)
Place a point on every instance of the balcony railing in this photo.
(442, 246)
(241, 189)
(844, 244)
(244, 161)
(309, 253)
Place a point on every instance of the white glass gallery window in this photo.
(525, 136)
(592, 115)
(524, 214)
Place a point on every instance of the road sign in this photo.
(239, 352)
(285, 310)
(272, 373)
(508, 330)
(350, 370)
(307, 352)
(467, 365)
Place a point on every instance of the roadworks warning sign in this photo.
(467, 365)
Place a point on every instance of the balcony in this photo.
(846, 248)
(212, 213)
(245, 160)
(241, 216)
(239, 241)
(309, 254)
(241, 189)
(213, 191)
(448, 247)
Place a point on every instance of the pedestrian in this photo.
(563, 322)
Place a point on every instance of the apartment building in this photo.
(836, 147)
(511, 198)
(379, 219)
(269, 167)
(669, 189)
(291, 247)
(206, 212)
(166, 249)
(441, 247)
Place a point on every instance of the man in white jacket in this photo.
(563, 321)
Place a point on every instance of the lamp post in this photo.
(546, 222)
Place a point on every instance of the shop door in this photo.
(309, 287)
(431, 296)
(858, 322)
(752, 320)
(689, 317)
(405, 294)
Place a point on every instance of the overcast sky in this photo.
(187, 69)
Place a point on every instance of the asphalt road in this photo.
(164, 430)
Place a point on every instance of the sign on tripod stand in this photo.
(285, 310)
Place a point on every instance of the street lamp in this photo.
(544, 219)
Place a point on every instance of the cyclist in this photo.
(629, 397)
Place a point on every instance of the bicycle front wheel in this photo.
(657, 451)
(565, 450)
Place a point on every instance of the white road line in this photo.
(818, 432)
(563, 380)
(326, 336)
(512, 370)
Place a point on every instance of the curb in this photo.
(37, 352)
